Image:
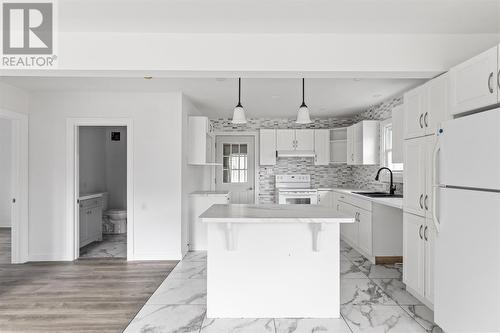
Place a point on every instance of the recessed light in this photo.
(220, 79)
(376, 95)
(148, 77)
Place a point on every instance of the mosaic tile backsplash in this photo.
(334, 175)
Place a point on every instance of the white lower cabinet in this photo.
(377, 229)
(198, 203)
(325, 198)
(365, 231)
(349, 231)
(418, 257)
(90, 222)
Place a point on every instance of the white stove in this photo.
(295, 189)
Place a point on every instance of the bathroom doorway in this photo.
(101, 162)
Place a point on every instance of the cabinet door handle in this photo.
(420, 232)
(420, 120)
(490, 86)
(425, 202)
(425, 119)
(421, 201)
(498, 79)
(425, 233)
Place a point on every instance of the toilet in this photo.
(114, 221)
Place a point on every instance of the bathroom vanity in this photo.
(273, 261)
(90, 224)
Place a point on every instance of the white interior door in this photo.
(237, 174)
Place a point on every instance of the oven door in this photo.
(298, 198)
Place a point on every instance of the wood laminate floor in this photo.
(92, 295)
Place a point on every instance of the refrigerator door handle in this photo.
(435, 187)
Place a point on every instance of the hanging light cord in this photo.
(303, 93)
(239, 92)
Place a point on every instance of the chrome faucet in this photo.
(392, 188)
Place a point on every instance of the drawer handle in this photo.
(420, 232)
(420, 120)
(425, 233)
(490, 87)
(421, 201)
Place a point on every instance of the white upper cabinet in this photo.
(200, 141)
(267, 147)
(425, 107)
(290, 139)
(322, 146)
(350, 145)
(414, 102)
(304, 139)
(397, 134)
(474, 83)
(285, 139)
(437, 109)
(363, 143)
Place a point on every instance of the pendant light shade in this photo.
(239, 112)
(303, 114)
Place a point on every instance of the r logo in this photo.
(27, 28)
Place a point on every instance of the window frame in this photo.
(385, 176)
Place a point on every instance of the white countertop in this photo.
(392, 202)
(209, 193)
(89, 196)
(274, 213)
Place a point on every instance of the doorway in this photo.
(13, 187)
(5, 190)
(237, 174)
(99, 182)
(102, 202)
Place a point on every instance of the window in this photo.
(234, 163)
(386, 147)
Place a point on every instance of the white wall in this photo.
(193, 177)
(92, 159)
(116, 168)
(383, 55)
(5, 172)
(157, 136)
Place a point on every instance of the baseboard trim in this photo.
(390, 260)
(156, 256)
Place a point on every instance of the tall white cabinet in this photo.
(424, 107)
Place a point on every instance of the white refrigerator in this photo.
(467, 219)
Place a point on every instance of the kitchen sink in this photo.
(379, 194)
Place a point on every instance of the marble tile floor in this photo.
(111, 246)
(373, 299)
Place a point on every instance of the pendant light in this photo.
(239, 112)
(303, 114)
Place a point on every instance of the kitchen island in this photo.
(273, 261)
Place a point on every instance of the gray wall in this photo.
(103, 163)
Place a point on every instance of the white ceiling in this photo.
(281, 16)
(262, 98)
